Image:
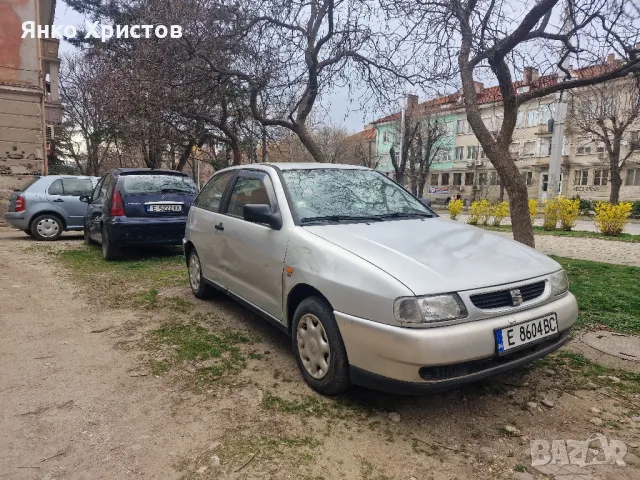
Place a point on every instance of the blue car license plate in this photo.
(164, 208)
(529, 332)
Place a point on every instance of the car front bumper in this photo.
(17, 220)
(412, 360)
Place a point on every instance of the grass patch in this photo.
(145, 276)
(623, 237)
(577, 370)
(215, 356)
(607, 294)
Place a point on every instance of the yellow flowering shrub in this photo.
(499, 211)
(455, 209)
(612, 218)
(533, 209)
(551, 212)
(568, 211)
(480, 212)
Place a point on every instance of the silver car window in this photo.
(248, 191)
(56, 188)
(211, 195)
(75, 187)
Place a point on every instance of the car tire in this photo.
(28, 232)
(199, 287)
(46, 228)
(87, 237)
(318, 347)
(109, 251)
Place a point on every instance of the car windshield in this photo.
(153, 184)
(330, 194)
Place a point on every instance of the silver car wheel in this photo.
(194, 272)
(313, 346)
(48, 227)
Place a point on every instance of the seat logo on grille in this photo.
(516, 297)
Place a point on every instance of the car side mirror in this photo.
(259, 213)
(85, 198)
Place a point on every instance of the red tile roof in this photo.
(365, 135)
(492, 94)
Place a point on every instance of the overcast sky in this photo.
(336, 109)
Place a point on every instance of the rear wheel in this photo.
(198, 286)
(109, 251)
(28, 232)
(46, 228)
(318, 347)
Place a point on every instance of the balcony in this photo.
(49, 48)
(52, 112)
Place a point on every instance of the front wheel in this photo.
(109, 251)
(318, 347)
(46, 228)
(87, 237)
(199, 287)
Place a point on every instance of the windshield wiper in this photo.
(174, 190)
(406, 215)
(341, 218)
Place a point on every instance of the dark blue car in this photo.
(138, 207)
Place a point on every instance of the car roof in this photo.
(56, 177)
(296, 166)
(161, 171)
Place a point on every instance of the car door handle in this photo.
(220, 227)
(59, 200)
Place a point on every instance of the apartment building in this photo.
(469, 173)
(29, 97)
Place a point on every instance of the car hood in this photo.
(435, 255)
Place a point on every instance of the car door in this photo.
(204, 215)
(74, 210)
(251, 257)
(95, 208)
(55, 196)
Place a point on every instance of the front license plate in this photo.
(164, 208)
(510, 338)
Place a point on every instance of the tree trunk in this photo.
(501, 191)
(310, 144)
(186, 153)
(516, 187)
(614, 168)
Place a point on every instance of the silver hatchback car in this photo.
(47, 206)
(372, 286)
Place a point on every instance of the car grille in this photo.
(448, 372)
(502, 298)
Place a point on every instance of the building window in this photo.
(548, 112)
(483, 178)
(468, 178)
(457, 179)
(545, 182)
(584, 147)
(472, 152)
(386, 137)
(443, 155)
(634, 136)
(462, 127)
(434, 179)
(600, 148)
(459, 153)
(445, 179)
(633, 177)
(528, 178)
(600, 177)
(482, 153)
(493, 178)
(396, 156)
(514, 149)
(532, 118)
(545, 147)
(581, 177)
(529, 149)
(520, 119)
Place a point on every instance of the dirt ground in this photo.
(82, 398)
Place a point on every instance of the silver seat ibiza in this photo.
(373, 287)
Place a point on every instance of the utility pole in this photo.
(557, 138)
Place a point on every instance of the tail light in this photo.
(21, 204)
(117, 210)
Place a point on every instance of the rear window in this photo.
(27, 184)
(153, 184)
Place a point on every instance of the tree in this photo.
(496, 38)
(606, 112)
(431, 132)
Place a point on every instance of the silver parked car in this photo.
(372, 286)
(47, 206)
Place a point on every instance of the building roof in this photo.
(493, 94)
(367, 134)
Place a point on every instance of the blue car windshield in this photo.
(154, 184)
(349, 194)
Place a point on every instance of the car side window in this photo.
(101, 190)
(56, 188)
(76, 187)
(249, 191)
(211, 194)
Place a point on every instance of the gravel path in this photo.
(607, 251)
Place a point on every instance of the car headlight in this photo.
(437, 308)
(559, 283)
